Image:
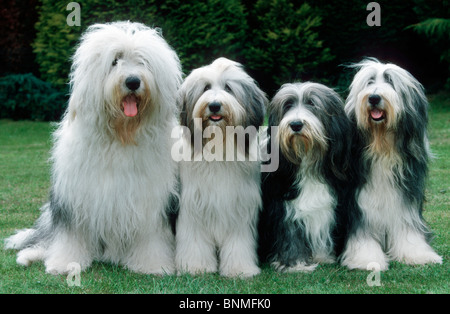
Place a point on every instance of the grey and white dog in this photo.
(220, 199)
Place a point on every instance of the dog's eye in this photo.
(371, 81)
(114, 63)
(388, 79)
(207, 87)
(288, 106)
(309, 102)
(228, 88)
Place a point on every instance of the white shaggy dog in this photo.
(389, 108)
(220, 200)
(113, 181)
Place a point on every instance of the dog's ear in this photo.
(181, 104)
(256, 103)
(413, 118)
(411, 135)
(188, 95)
(338, 130)
(260, 103)
(275, 109)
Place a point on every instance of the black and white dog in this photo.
(388, 108)
(304, 197)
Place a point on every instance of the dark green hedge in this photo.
(23, 96)
(277, 41)
(274, 39)
(284, 44)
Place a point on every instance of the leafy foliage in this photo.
(276, 40)
(434, 27)
(285, 45)
(23, 96)
(201, 31)
(437, 30)
(56, 41)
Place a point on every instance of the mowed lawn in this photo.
(24, 187)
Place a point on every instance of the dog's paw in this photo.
(240, 272)
(30, 255)
(422, 258)
(298, 267)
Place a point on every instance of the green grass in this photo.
(24, 185)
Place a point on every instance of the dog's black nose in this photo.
(296, 126)
(214, 107)
(374, 99)
(133, 83)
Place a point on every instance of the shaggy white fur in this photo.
(112, 177)
(220, 200)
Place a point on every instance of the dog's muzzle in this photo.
(296, 126)
(130, 102)
(376, 113)
(215, 108)
(133, 83)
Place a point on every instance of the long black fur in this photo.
(282, 240)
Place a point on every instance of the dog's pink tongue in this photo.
(130, 106)
(376, 114)
(216, 117)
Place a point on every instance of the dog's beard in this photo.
(215, 121)
(305, 146)
(378, 125)
(127, 112)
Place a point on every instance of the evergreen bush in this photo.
(56, 41)
(198, 30)
(201, 31)
(284, 45)
(23, 96)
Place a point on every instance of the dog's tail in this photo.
(28, 244)
(31, 237)
(20, 240)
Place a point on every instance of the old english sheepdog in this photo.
(388, 108)
(220, 198)
(305, 197)
(113, 180)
